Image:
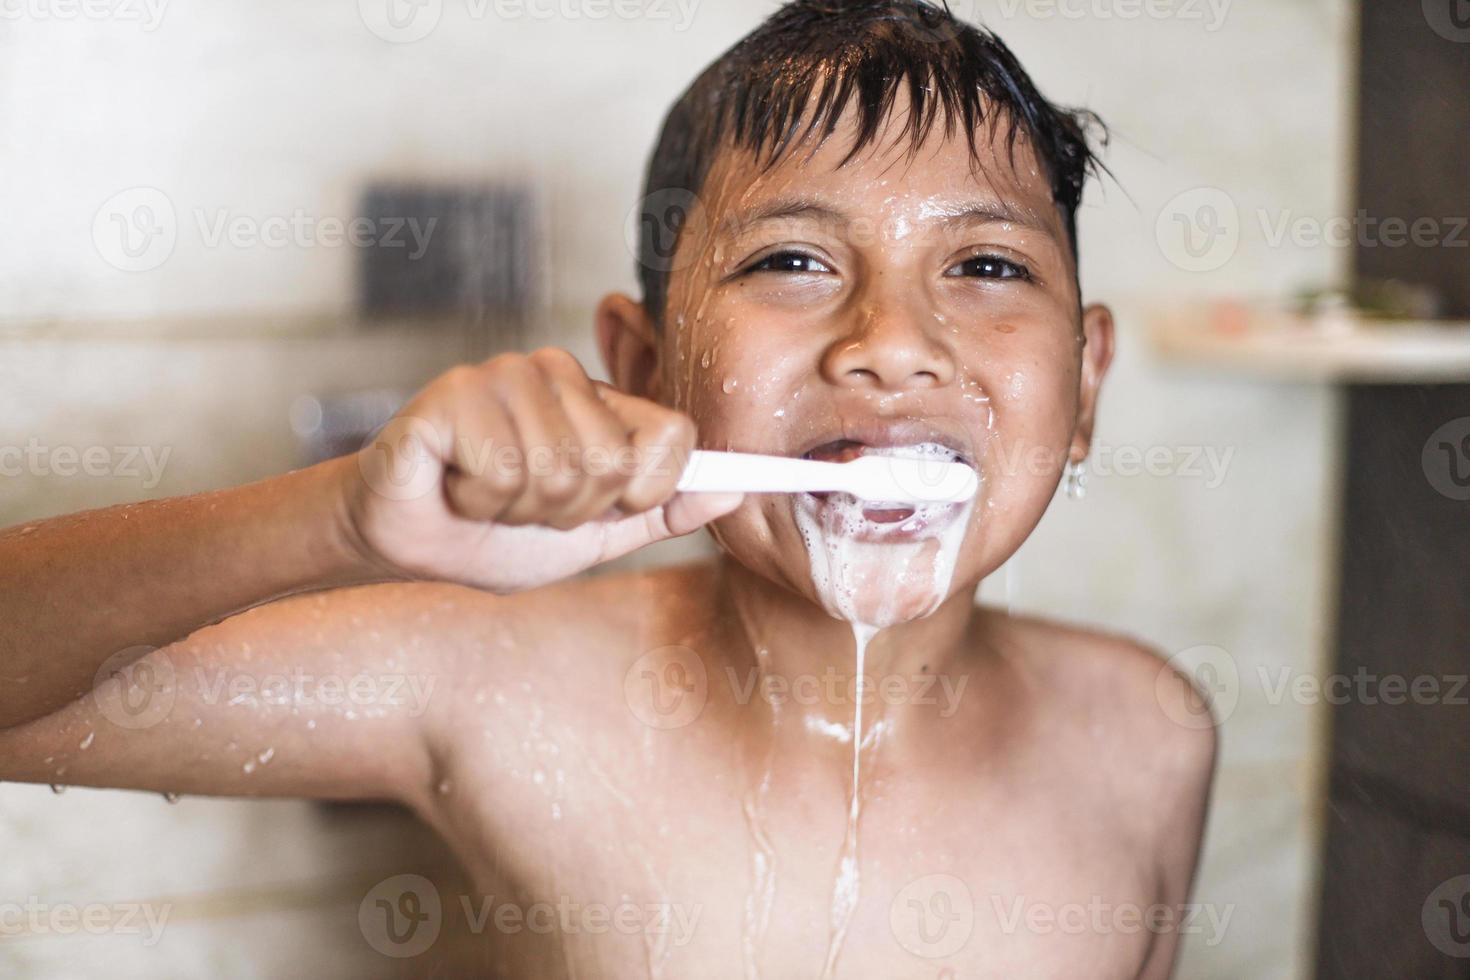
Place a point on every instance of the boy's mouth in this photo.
(933, 447)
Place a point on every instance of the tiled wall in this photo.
(280, 107)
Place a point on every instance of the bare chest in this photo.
(683, 858)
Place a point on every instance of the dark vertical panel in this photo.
(1399, 821)
(1413, 157)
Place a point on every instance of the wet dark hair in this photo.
(796, 74)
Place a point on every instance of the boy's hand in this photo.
(521, 471)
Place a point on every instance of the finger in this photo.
(603, 459)
(486, 471)
(547, 439)
(685, 513)
(662, 440)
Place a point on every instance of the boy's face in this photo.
(815, 309)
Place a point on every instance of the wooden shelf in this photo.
(1336, 347)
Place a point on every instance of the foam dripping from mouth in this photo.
(873, 580)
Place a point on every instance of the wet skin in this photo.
(572, 751)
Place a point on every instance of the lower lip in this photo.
(841, 514)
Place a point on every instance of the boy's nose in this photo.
(889, 349)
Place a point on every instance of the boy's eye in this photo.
(789, 262)
(990, 267)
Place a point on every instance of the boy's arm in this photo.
(320, 696)
(95, 590)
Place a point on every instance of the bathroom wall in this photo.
(283, 109)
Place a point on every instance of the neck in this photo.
(780, 638)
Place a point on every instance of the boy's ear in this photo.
(1097, 354)
(628, 342)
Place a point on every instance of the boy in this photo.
(859, 238)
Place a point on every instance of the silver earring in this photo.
(1075, 480)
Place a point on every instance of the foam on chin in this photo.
(880, 573)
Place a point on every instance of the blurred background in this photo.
(241, 233)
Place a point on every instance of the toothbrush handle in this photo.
(710, 471)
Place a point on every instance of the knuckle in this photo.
(555, 358)
(675, 430)
(557, 488)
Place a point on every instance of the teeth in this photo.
(919, 450)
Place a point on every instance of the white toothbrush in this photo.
(873, 477)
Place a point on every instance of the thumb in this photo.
(683, 513)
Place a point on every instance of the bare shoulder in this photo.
(1121, 698)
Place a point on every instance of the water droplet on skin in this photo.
(58, 789)
(704, 359)
(266, 756)
(248, 767)
(170, 797)
(86, 743)
(729, 385)
(538, 777)
(311, 724)
(444, 787)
